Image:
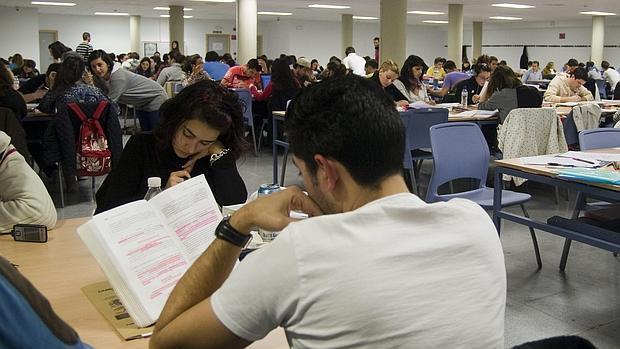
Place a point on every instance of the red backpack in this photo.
(93, 157)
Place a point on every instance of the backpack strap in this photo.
(99, 110)
(78, 111)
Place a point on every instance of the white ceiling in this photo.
(479, 10)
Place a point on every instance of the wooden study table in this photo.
(546, 175)
(62, 266)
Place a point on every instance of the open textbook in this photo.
(145, 247)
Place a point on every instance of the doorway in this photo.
(46, 37)
(219, 43)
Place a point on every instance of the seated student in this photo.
(334, 69)
(9, 98)
(409, 86)
(214, 67)
(437, 71)
(193, 67)
(302, 70)
(533, 73)
(144, 68)
(474, 84)
(60, 138)
(28, 320)
(453, 77)
(385, 75)
(508, 93)
(125, 87)
(35, 88)
(380, 269)
(201, 132)
(26, 71)
(569, 88)
(175, 71)
(23, 196)
(282, 87)
(242, 76)
(370, 67)
(610, 75)
(549, 69)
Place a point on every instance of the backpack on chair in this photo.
(93, 157)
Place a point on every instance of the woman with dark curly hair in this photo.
(201, 132)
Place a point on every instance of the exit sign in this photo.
(562, 36)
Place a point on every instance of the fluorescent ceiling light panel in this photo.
(215, 0)
(111, 14)
(52, 3)
(598, 13)
(517, 6)
(333, 7)
(435, 22)
(271, 13)
(168, 16)
(506, 18)
(364, 17)
(159, 8)
(186, 17)
(431, 13)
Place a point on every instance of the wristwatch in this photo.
(226, 232)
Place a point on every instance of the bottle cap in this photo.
(153, 182)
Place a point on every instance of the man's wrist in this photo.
(240, 220)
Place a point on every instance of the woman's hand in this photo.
(475, 98)
(177, 177)
(215, 148)
(402, 103)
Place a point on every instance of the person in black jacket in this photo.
(9, 98)
(201, 132)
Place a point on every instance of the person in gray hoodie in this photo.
(23, 196)
(125, 87)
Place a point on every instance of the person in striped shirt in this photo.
(85, 48)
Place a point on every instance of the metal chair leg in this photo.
(579, 205)
(414, 185)
(557, 196)
(284, 161)
(534, 240)
(260, 135)
(62, 193)
(565, 254)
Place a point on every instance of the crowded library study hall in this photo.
(309, 174)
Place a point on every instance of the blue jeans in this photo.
(148, 119)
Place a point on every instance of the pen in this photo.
(576, 159)
(143, 335)
(559, 165)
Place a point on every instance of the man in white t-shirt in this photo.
(610, 75)
(374, 266)
(354, 62)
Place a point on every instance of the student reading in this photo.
(201, 132)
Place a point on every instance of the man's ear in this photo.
(327, 172)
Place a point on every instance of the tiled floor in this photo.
(585, 300)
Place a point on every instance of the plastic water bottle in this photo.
(464, 97)
(15, 83)
(154, 184)
(436, 76)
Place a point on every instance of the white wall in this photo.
(20, 32)
(313, 39)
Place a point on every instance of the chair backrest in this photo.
(599, 138)
(459, 151)
(407, 160)
(420, 121)
(246, 103)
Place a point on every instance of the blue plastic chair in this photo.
(408, 160)
(246, 100)
(595, 138)
(460, 151)
(418, 137)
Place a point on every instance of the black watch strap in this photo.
(226, 232)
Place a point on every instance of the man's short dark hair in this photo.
(493, 58)
(349, 50)
(437, 60)
(253, 64)
(572, 62)
(376, 38)
(536, 62)
(580, 74)
(212, 56)
(349, 119)
(85, 36)
(449, 65)
(372, 63)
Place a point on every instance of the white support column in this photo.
(393, 30)
(176, 24)
(247, 31)
(477, 41)
(347, 32)
(134, 35)
(598, 39)
(455, 33)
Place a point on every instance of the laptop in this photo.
(265, 79)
